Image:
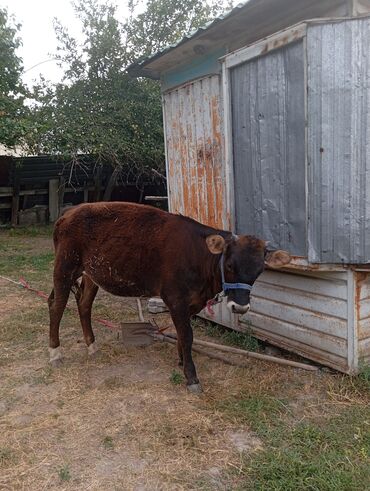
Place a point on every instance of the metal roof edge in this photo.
(137, 68)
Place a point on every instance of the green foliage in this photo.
(99, 109)
(176, 377)
(64, 473)
(364, 375)
(12, 91)
(165, 22)
(108, 443)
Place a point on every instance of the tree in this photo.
(12, 91)
(99, 109)
(165, 22)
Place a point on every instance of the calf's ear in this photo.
(215, 243)
(277, 259)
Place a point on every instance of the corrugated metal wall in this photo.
(194, 142)
(303, 312)
(268, 121)
(339, 141)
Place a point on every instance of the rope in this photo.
(24, 284)
(110, 325)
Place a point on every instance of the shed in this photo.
(267, 132)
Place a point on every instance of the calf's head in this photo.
(243, 259)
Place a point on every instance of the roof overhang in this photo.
(243, 25)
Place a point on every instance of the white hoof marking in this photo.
(55, 354)
(92, 349)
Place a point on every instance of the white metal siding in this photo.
(305, 313)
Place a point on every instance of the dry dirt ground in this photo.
(120, 421)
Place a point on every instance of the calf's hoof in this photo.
(56, 363)
(195, 388)
(56, 358)
(92, 349)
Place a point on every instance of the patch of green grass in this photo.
(243, 340)
(32, 231)
(254, 410)
(6, 456)
(108, 442)
(364, 375)
(176, 377)
(19, 264)
(64, 473)
(325, 455)
(25, 324)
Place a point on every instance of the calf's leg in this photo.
(179, 351)
(65, 274)
(181, 319)
(57, 302)
(85, 296)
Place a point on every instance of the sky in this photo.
(37, 33)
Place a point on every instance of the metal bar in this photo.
(166, 152)
(229, 170)
(352, 323)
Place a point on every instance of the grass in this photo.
(32, 231)
(331, 453)
(243, 340)
(108, 443)
(176, 377)
(64, 473)
(6, 456)
(364, 376)
(26, 324)
(22, 263)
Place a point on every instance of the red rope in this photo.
(44, 295)
(26, 285)
(103, 322)
(110, 325)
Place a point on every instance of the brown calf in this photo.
(136, 250)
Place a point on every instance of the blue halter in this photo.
(231, 286)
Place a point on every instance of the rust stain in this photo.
(195, 154)
(210, 183)
(218, 181)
